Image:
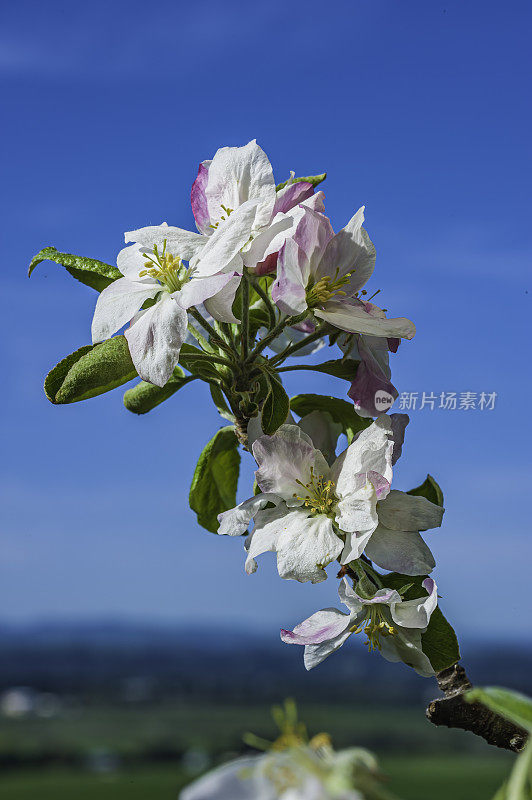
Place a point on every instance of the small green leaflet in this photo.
(439, 641)
(429, 489)
(337, 367)
(144, 396)
(215, 480)
(90, 371)
(276, 406)
(315, 180)
(96, 274)
(340, 410)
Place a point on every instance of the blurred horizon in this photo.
(418, 111)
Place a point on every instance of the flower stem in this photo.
(193, 311)
(244, 348)
(292, 348)
(274, 333)
(267, 302)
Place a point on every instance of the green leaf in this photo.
(90, 371)
(512, 705)
(215, 480)
(220, 402)
(430, 490)
(315, 180)
(340, 410)
(339, 368)
(96, 274)
(439, 642)
(276, 406)
(144, 396)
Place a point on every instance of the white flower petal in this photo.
(316, 653)
(305, 545)
(405, 646)
(405, 512)
(323, 431)
(370, 452)
(269, 523)
(351, 316)
(179, 242)
(357, 511)
(237, 780)
(226, 242)
(235, 522)
(288, 290)
(131, 260)
(155, 337)
(285, 461)
(269, 240)
(197, 290)
(416, 613)
(355, 544)
(238, 174)
(220, 305)
(400, 551)
(117, 305)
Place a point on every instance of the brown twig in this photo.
(453, 711)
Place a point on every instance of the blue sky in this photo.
(418, 109)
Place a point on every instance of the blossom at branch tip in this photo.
(242, 177)
(392, 625)
(308, 512)
(153, 269)
(323, 272)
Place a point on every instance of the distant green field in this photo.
(416, 778)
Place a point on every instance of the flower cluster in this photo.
(265, 278)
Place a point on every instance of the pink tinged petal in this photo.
(155, 337)
(306, 545)
(220, 305)
(198, 200)
(417, 613)
(399, 423)
(316, 202)
(400, 551)
(370, 452)
(351, 250)
(237, 174)
(405, 646)
(382, 597)
(406, 512)
(267, 266)
(179, 242)
(350, 315)
(117, 304)
(235, 522)
(321, 626)
(197, 290)
(292, 195)
(267, 242)
(226, 241)
(313, 233)
(323, 431)
(366, 389)
(288, 291)
(316, 653)
(285, 460)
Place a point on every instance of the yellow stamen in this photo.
(319, 495)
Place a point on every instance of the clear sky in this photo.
(420, 110)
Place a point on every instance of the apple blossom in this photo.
(153, 271)
(392, 625)
(323, 272)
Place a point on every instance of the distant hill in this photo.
(103, 658)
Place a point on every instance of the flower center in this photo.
(166, 268)
(320, 496)
(227, 213)
(374, 626)
(327, 287)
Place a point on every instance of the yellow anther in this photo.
(325, 288)
(374, 626)
(166, 268)
(320, 497)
